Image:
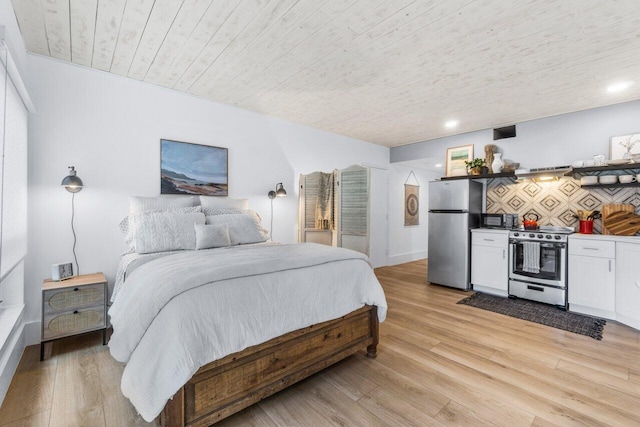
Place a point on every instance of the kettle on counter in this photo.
(530, 224)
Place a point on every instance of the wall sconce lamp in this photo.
(72, 183)
(279, 192)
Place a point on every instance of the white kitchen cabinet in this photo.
(592, 277)
(490, 261)
(628, 284)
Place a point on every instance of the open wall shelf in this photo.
(617, 184)
(576, 173)
(583, 171)
(490, 175)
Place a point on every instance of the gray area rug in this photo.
(539, 313)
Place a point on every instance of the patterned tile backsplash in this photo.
(554, 202)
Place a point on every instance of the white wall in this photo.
(552, 141)
(110, 127)
(407, 243)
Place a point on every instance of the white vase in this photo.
(497, 163)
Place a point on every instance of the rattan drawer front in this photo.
(59, 325)
(72, 298)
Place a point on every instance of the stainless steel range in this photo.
(538, 264)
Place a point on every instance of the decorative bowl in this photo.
(510, 167)
(608, 179)
(589, 180)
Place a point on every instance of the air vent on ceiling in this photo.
(505, 132)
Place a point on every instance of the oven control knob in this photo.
(548, 236)
(540, 236)
(532, 235)
(557, 237)
(516, 234)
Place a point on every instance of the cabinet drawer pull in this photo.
(637, 284)
(609, 266)
(590, 249)
(75, 312)
(75, 289)
(488, 240)
(535, 288)
(504, 254)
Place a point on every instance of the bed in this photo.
(205, 333)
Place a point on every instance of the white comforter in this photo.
(177, 313)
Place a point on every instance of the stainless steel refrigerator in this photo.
(454, 208)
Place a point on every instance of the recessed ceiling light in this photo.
(451, 124)
(619, 87)
(438, 165)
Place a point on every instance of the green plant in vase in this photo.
(475, 166)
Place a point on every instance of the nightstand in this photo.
(74, 306)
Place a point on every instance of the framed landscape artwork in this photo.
(187, 168)
(456, 157)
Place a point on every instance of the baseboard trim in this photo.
(10, 357)
(408, 257)
(32, 333)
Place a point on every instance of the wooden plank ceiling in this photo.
(385, 71)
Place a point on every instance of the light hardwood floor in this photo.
(438, 364)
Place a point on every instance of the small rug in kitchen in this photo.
(539, 313)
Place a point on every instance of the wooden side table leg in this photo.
(104, 336)
(41, 351)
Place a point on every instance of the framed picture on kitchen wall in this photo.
(456, 157)
(187, 168)
(622, 147)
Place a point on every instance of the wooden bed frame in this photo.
(226, 386)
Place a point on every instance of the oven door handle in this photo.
(542, 244)
(553, 245)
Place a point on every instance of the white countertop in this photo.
(606, 237)
(490, 230)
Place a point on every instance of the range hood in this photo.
(543, 174)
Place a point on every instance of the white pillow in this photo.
(127, 226)
(212, 236)
(243, 228)
(166, 231)
(138, 204)
(217, 202)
